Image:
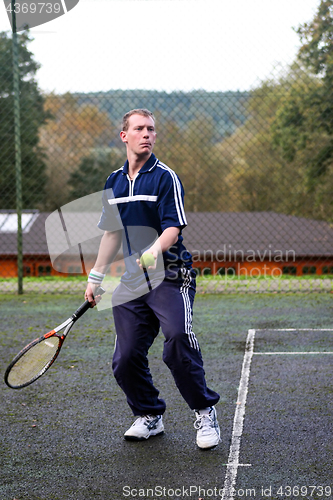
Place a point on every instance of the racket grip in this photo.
(86, 305)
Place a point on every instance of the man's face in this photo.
(140, 136)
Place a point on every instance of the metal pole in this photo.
(18, 169)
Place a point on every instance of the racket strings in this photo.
(33, 362)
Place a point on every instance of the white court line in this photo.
(233, 464)
(238, 465)
(294, 329)
(296, 352)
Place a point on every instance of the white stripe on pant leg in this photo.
(188, 314)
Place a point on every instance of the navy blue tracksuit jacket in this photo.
(148, 205)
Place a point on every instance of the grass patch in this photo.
(54, 285)
(47, 279)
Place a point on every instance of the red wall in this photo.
(42, 266)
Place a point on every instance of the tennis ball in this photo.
(147, 259)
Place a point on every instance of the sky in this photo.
(216, 45)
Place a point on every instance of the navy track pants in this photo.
(137, 322)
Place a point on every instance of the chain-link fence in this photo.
(256, 166)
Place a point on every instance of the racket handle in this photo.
(86, 305)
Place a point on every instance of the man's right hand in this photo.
(90, 294)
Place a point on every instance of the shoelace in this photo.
(199, 423)
(150, 421)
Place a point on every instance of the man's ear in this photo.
(123, 136)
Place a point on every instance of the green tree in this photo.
(305, 121)
(256, 175)
(203, 180)
(255, 172)
(32, 117)
(93, 171)
(190, 151)
(73, 134)
(317, 38)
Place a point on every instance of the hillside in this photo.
(226, 109)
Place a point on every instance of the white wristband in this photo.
(95, 277)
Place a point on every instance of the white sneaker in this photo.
(144, 427)
(208, 431)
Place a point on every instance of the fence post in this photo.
(18, 170)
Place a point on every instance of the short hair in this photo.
(139, 111)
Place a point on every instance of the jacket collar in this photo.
(150, 163)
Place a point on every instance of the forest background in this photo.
(266, 149)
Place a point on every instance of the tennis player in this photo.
(148, 194)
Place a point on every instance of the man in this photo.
(148, 194)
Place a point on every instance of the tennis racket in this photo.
(37, 357)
